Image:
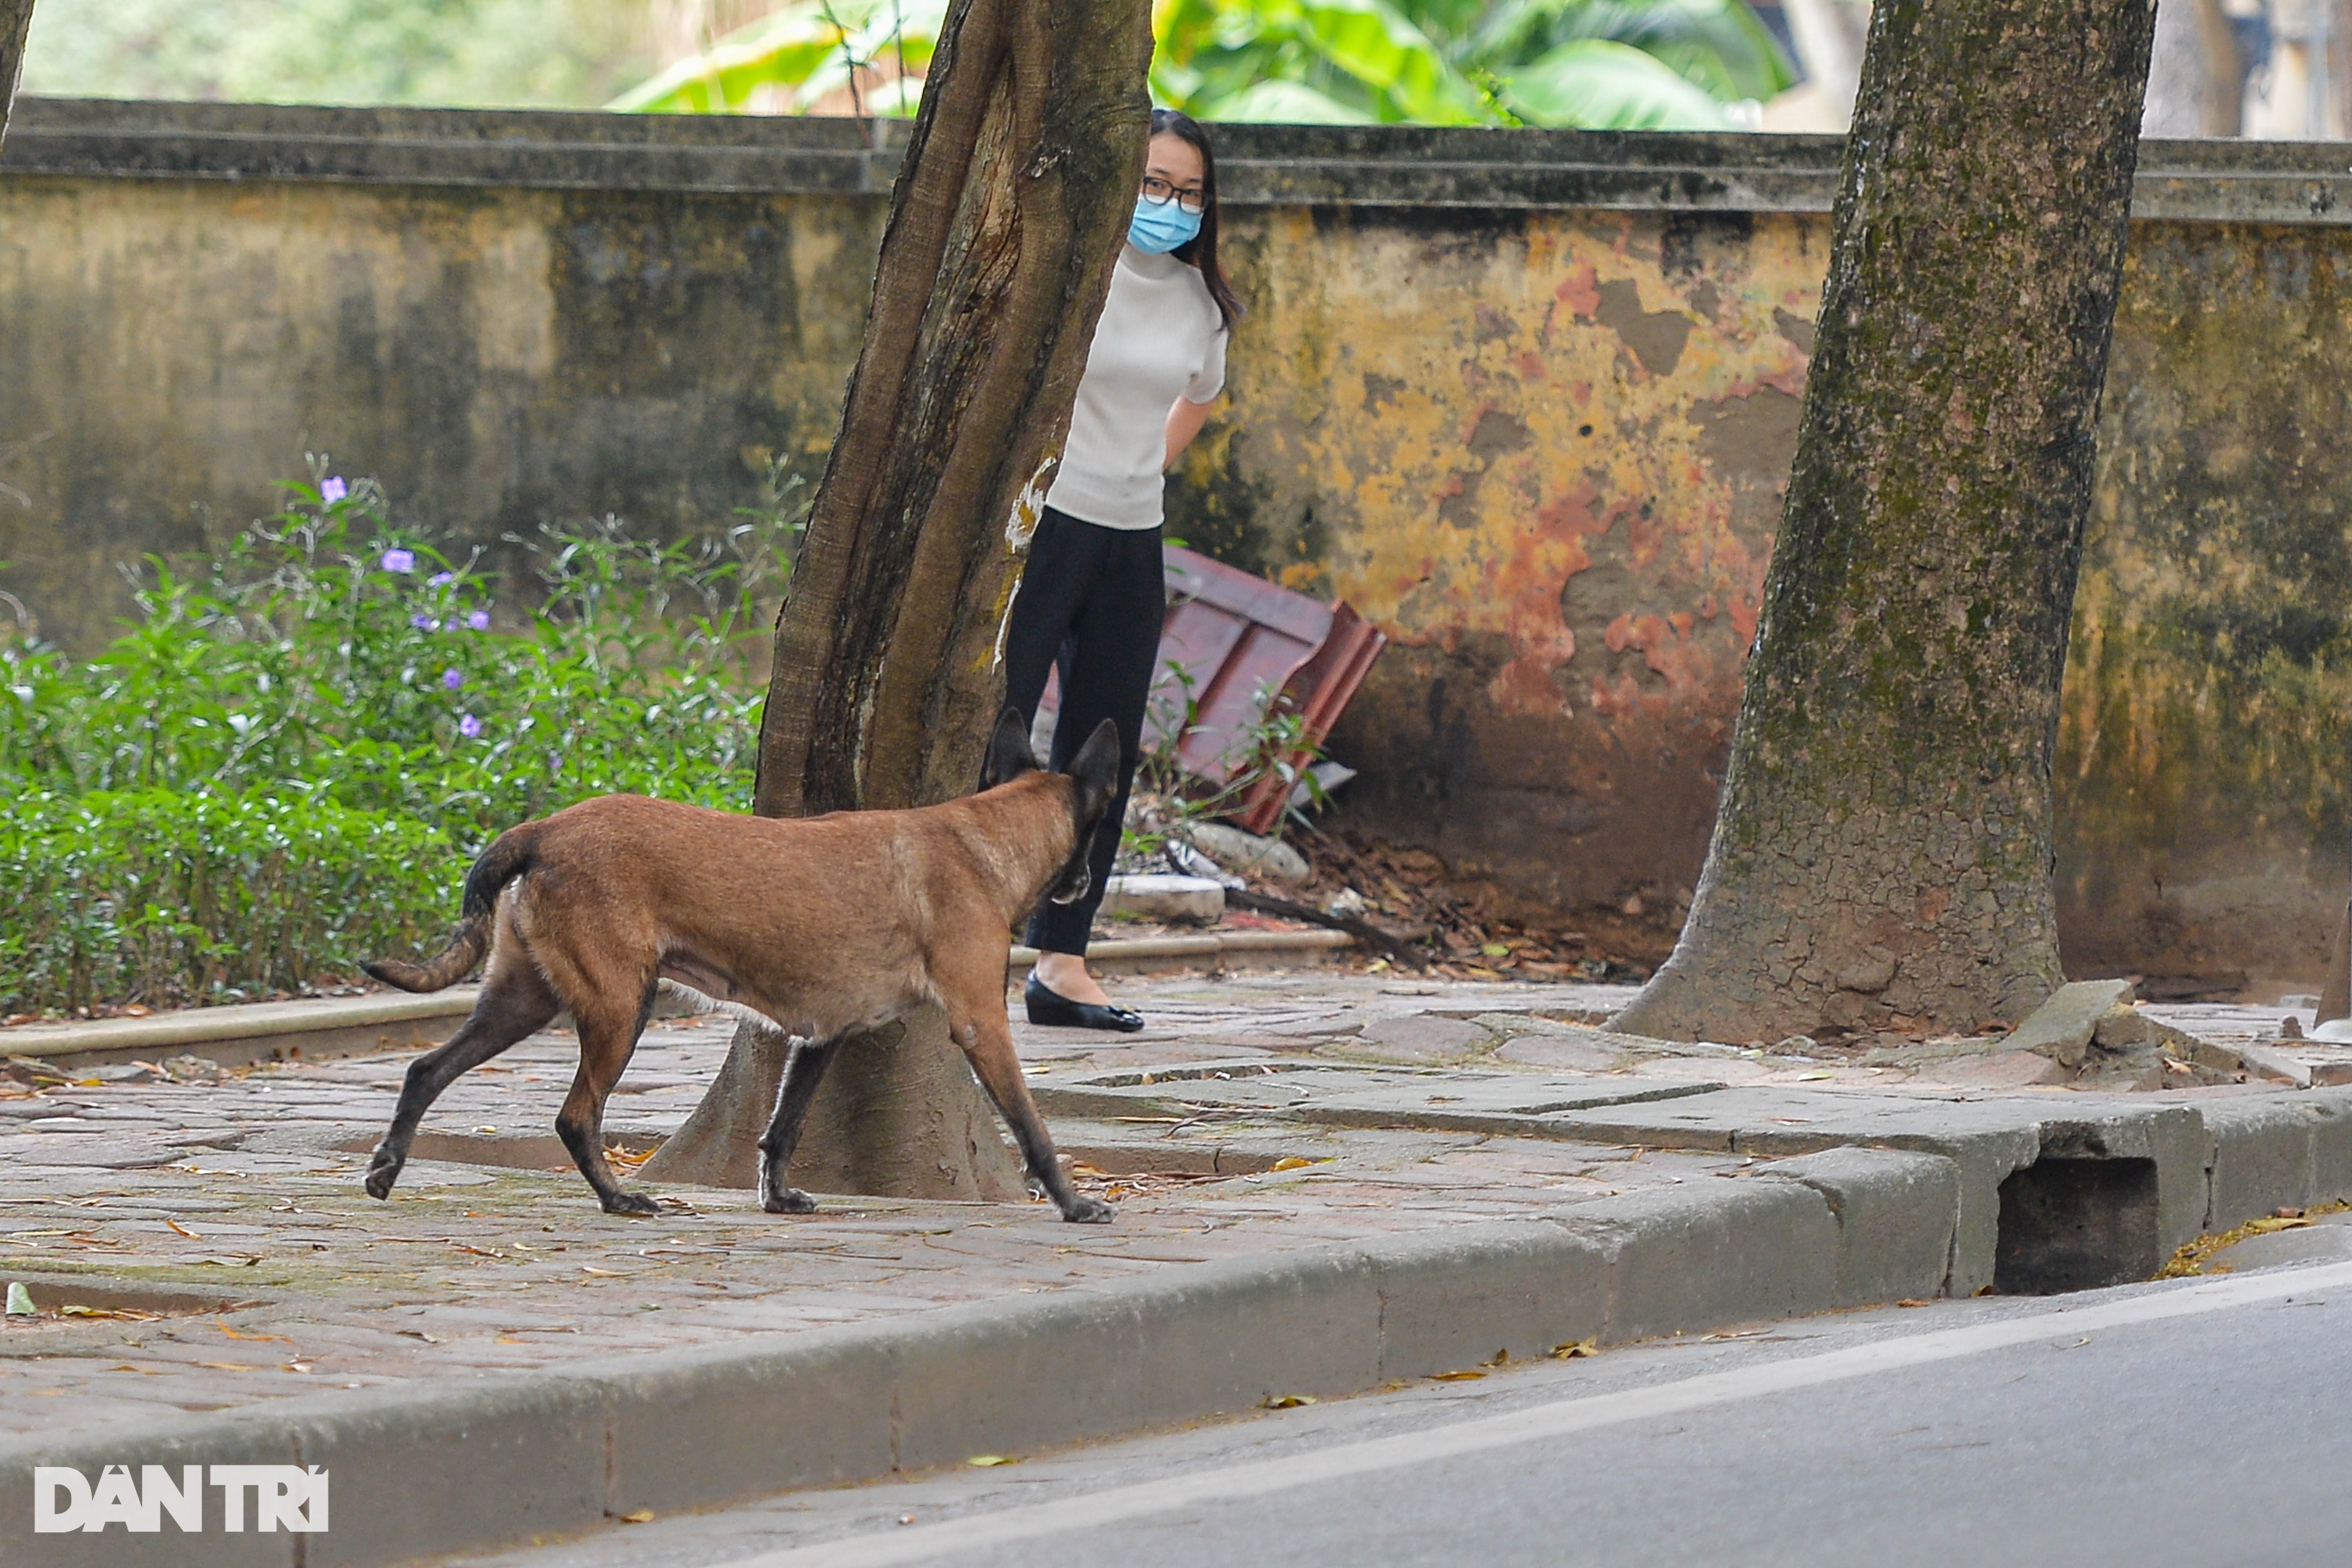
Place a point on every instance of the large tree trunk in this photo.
(16, 16)
(1883, 852)
(1018, 182)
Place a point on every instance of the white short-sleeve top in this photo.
(1161, 338)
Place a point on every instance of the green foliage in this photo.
(157, 895)
(550, 54)
(800, 54)
(342, 684)
(1277, 742)
(1619, 64)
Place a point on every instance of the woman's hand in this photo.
(1184, 422)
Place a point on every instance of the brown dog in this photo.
(825, 926)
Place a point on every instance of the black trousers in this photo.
(1090, 606)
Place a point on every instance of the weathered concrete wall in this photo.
(1544, 452)
(2204, 745)
(1527, 399)
(1547, 454)
(498, 356)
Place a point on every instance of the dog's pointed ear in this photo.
(1095, 767)
(1009, 755)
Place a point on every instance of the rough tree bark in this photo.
(1018, 182)
(1882, 855)
(16, 16)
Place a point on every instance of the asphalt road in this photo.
(2202, 1422)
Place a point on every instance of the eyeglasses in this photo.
(1161, 193)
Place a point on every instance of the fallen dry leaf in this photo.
(1575, 1349)
(238, 1334)
(1285, 1401)
(183, 1230)
(986, 1461)
(643, 1516)
(126, 1314)
(1911, 1301)
(604, 1273)
(1465, 1375)
(1293, 1163)
(228, 1366)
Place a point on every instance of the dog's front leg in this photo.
(804, 1070)
(987, 1042)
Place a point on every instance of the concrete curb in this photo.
(354, 1026)
(421, 1470)
(261, 1031)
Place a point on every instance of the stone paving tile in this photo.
(236, 1199)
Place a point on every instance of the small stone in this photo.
(2061, 1027)
(1246, 852)
(2290, 1027)
(1163, 896)
(2121, 1028)
(1347, 904)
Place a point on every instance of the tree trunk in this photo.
(1017, 186)
(1882, 856)
(16, 16)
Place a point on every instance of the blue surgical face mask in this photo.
(1160, 228)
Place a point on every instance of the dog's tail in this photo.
(511, 854)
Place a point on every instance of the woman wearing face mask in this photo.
(1092, 597)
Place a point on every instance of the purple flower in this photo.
(424, 623)
(398, 561)
(479, 620)
(468, 726)
(452, 679)
(334, 490)
(439, 579)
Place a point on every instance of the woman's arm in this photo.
(1184, 422)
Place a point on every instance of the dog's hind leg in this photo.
(608, 1037)
(987, 1042)
(516, 1000)
(804, 1070)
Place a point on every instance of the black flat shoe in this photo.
(1050, 1007)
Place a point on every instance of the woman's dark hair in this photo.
(1201, 250)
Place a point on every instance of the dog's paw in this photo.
(791, 1200)
(631, 1204)
(381, 1172)
(1089, 1211)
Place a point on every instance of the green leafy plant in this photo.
(346, 680)
(1275, 743)
(802, 53)
(169, 896)
(1598, 64)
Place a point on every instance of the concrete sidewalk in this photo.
(1298, 1215)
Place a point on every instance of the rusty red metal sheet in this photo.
(1241, 642)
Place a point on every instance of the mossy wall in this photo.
(498, 358)
(1544, 453)
(1543, 447)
